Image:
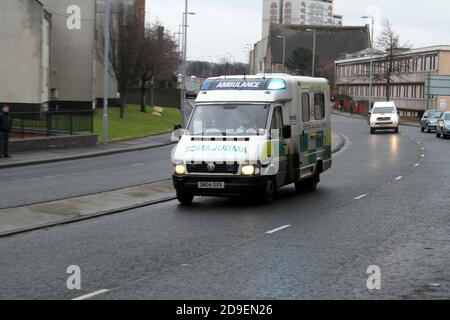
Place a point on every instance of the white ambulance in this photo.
(250, 135)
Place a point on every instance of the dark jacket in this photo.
(5, 122)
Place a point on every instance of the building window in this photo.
(273, 12)
(288, 13)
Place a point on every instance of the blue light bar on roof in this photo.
(277, 84)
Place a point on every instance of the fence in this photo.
(53, 122)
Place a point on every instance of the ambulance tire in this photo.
(270, 190)
(309, 184)
(185, 199)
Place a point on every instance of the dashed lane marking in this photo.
(361, 196)
(90, 295)
(278, 229)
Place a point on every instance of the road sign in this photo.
(437, 85)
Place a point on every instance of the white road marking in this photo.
(55, 176)
(90, 295)
(361, 196)
(399, 178)
(138, 164)
(278, 229)
(417, 164)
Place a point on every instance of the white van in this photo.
(384, 115)
(253, 135)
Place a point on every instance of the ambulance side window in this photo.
(319, 106)
(306, 108)
(277, 120)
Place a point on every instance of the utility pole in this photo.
(106, 72)
(284, 52)
(371, 61)
(184, 64)
(314, 51)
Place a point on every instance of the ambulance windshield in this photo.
(229, 120)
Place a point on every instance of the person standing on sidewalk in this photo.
(5, 128)
(341, 105)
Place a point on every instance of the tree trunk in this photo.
(143, 104)
(388, 89)
(122, 104)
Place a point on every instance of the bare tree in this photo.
(158, 59)
(125, 35)
(391, 66)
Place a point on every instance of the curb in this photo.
(341, 144)
(92, 216)
(82, 156)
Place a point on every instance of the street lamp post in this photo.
(106, 73)
(314, 51)
(284, 52)
(184, 64)
(247, 50)
(371, 61)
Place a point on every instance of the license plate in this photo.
(211, 185)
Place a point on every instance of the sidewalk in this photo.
(48, 156)
(356, 115)
(44, 215)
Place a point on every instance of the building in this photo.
(72, 54)
(24, 54)
(331, 43)
(408, 88)
(338, 20)
(49, 53)
(298, 12)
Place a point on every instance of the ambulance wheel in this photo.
(309, 184)
(185, 198)
(270, 191)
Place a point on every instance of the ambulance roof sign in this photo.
(244, 84)
(235, 84)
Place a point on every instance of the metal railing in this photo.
(53, 122)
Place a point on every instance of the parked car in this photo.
(384, 116)
(429, 120)
(443, 126)
(191, 94)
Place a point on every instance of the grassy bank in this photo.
(135, 124)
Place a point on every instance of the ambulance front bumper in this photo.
(232, 185)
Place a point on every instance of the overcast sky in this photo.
(223, 27)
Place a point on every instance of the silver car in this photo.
(443, 126)
(429, 120)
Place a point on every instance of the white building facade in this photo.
(301, 12)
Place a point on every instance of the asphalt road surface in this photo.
(385, 203)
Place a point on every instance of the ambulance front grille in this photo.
(230, 168)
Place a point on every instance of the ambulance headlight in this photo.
(248, 170)
(180, 168)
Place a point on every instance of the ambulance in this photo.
(251, 135)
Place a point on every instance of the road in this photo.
(384, 203)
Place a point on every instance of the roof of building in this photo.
(405, 53)
(332, 42)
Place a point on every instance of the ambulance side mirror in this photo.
(287, 133)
